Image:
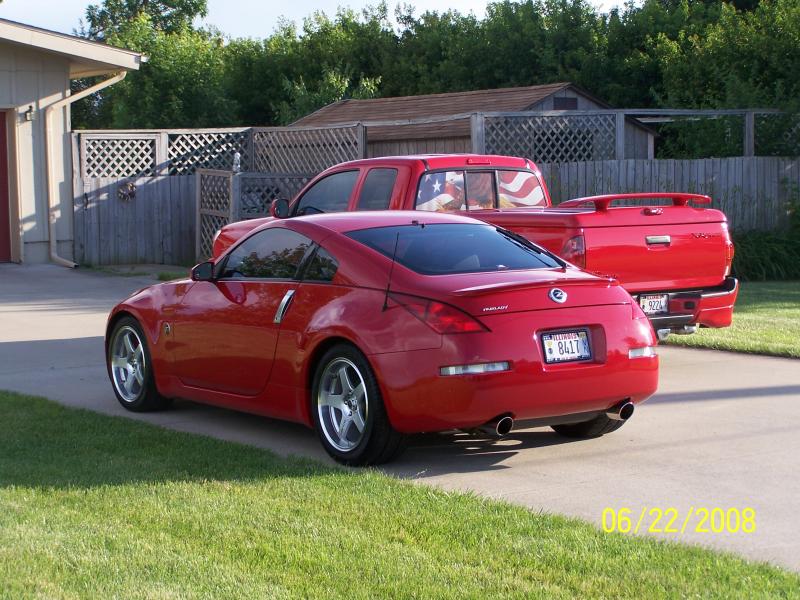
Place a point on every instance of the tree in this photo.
(108, 18)
(334, 87)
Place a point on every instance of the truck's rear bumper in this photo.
(709, 307)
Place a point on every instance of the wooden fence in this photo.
(136, 195)
(135, 198)
(753, 192)
(224, 197)
(138, 221)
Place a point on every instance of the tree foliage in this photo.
(675, 53)
(108, 18)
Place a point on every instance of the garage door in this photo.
(5, 209)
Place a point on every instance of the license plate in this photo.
(566, 346)
(654, 304)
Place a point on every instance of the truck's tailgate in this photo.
(645, 248)
(659, 256)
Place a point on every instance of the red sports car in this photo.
(370, 326)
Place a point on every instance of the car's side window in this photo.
(376, 193)
(322, 267)
(274, 253)
(330, 194)
(441, 191)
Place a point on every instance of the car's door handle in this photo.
(653, 240)
(283, 307)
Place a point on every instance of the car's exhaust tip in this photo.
(663, 334)
(622, 411)
(498, 427)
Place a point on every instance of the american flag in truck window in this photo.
(519, 189)
(441, 191)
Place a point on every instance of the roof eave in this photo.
(106, 58)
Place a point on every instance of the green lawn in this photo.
(95, 506)
(766, 320)
(171, 275)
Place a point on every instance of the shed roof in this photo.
(86, 58)
(431, 105)
(457, 106)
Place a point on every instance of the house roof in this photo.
(86, 58)
(430, 105)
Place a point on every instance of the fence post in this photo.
(198, 175)
(749, 134)
(619, 146)
(236, 192)
(78, 199)
(162, 154)
(361, 134)
(478, 133)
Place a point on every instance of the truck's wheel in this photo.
(131, 368)
(596, 427)
(348, 410)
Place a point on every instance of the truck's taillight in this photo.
(729, 252)
(440, 317)
(574, 251)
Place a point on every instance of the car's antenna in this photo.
(391, 270)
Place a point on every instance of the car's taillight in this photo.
(442, 318)
(574, 251)
(729, 252)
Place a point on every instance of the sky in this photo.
(237, 18)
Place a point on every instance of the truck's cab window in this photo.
(376, 192)
(441, 192)
(330, 194)
(480, 190)
(519, 189)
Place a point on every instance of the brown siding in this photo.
(454, 145)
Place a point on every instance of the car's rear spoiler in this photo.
(601, 203)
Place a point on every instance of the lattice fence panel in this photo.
(307, 151)
(207, 150)
(777, 135)
(569, 138)
(214, 206)
(119, 156)
(256, 192)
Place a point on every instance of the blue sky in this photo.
(238, 18)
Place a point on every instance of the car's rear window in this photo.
(449, 248)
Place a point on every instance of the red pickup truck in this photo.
(674, 260)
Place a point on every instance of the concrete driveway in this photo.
(723, 431)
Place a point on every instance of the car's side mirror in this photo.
(279, 208)
(203, 272)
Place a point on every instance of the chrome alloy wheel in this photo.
(342, 404)
(128, 364)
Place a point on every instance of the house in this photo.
(454, 135)
(36, 67)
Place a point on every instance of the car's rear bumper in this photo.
(418, 398)
(709, 307)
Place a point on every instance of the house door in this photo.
(5, 208)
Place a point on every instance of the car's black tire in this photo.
(130, 368)
(377, 442)
(596, 427)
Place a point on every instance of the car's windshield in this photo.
(449, 248)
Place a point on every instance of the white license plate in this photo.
(654, 304)
(566, 346)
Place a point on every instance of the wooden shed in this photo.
(36, 67)
(454, 135)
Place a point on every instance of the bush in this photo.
(770, 255)
(765, 255)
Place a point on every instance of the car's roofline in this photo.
(343, 222)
